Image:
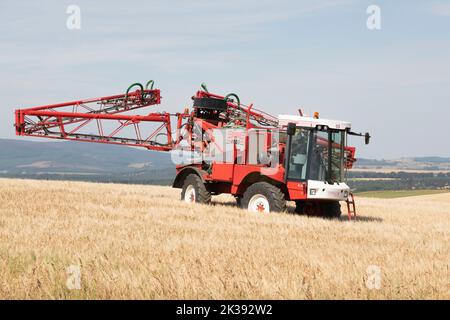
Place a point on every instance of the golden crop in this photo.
(132, 241)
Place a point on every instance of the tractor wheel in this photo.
(326, 209)
(300, 206)
(194, 190)
(331, 209)
(263, 197)
(312, 208)
(239, 201)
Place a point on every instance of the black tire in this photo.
(274, 196)
(202, 195)
(331, 209)
(326, 209)
(239, 201)
(300, 207)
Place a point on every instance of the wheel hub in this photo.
(258, 203)
(189, 195)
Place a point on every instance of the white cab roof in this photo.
(283, 121)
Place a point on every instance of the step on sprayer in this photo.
(219, 146)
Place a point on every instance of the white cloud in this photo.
(441, 9)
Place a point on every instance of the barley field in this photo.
(74, 240)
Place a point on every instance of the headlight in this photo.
(345, 193)
(312, 192)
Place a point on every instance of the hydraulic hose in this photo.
(149, 82)
(203, 85)
(233, 95)
(133, 85)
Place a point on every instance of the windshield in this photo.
(317, 155)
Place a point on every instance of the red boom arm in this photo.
(102, 120)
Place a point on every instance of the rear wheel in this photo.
(263, 197)
(194, 190)
(239, 201)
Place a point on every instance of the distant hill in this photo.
(433, 159)
(373, 162)
(83, 161)
(415, 163)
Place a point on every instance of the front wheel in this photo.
(194, 190)
(331, 209)
(326, 209)
(263, 197)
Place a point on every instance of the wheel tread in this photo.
(276, 197)
(203, 195)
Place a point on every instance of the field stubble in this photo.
(133, 241)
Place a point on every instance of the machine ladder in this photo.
(351, 206)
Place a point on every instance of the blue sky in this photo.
(281, 55)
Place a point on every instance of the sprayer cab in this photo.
(316, 156)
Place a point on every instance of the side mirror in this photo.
(291, 129)
(367, 138)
